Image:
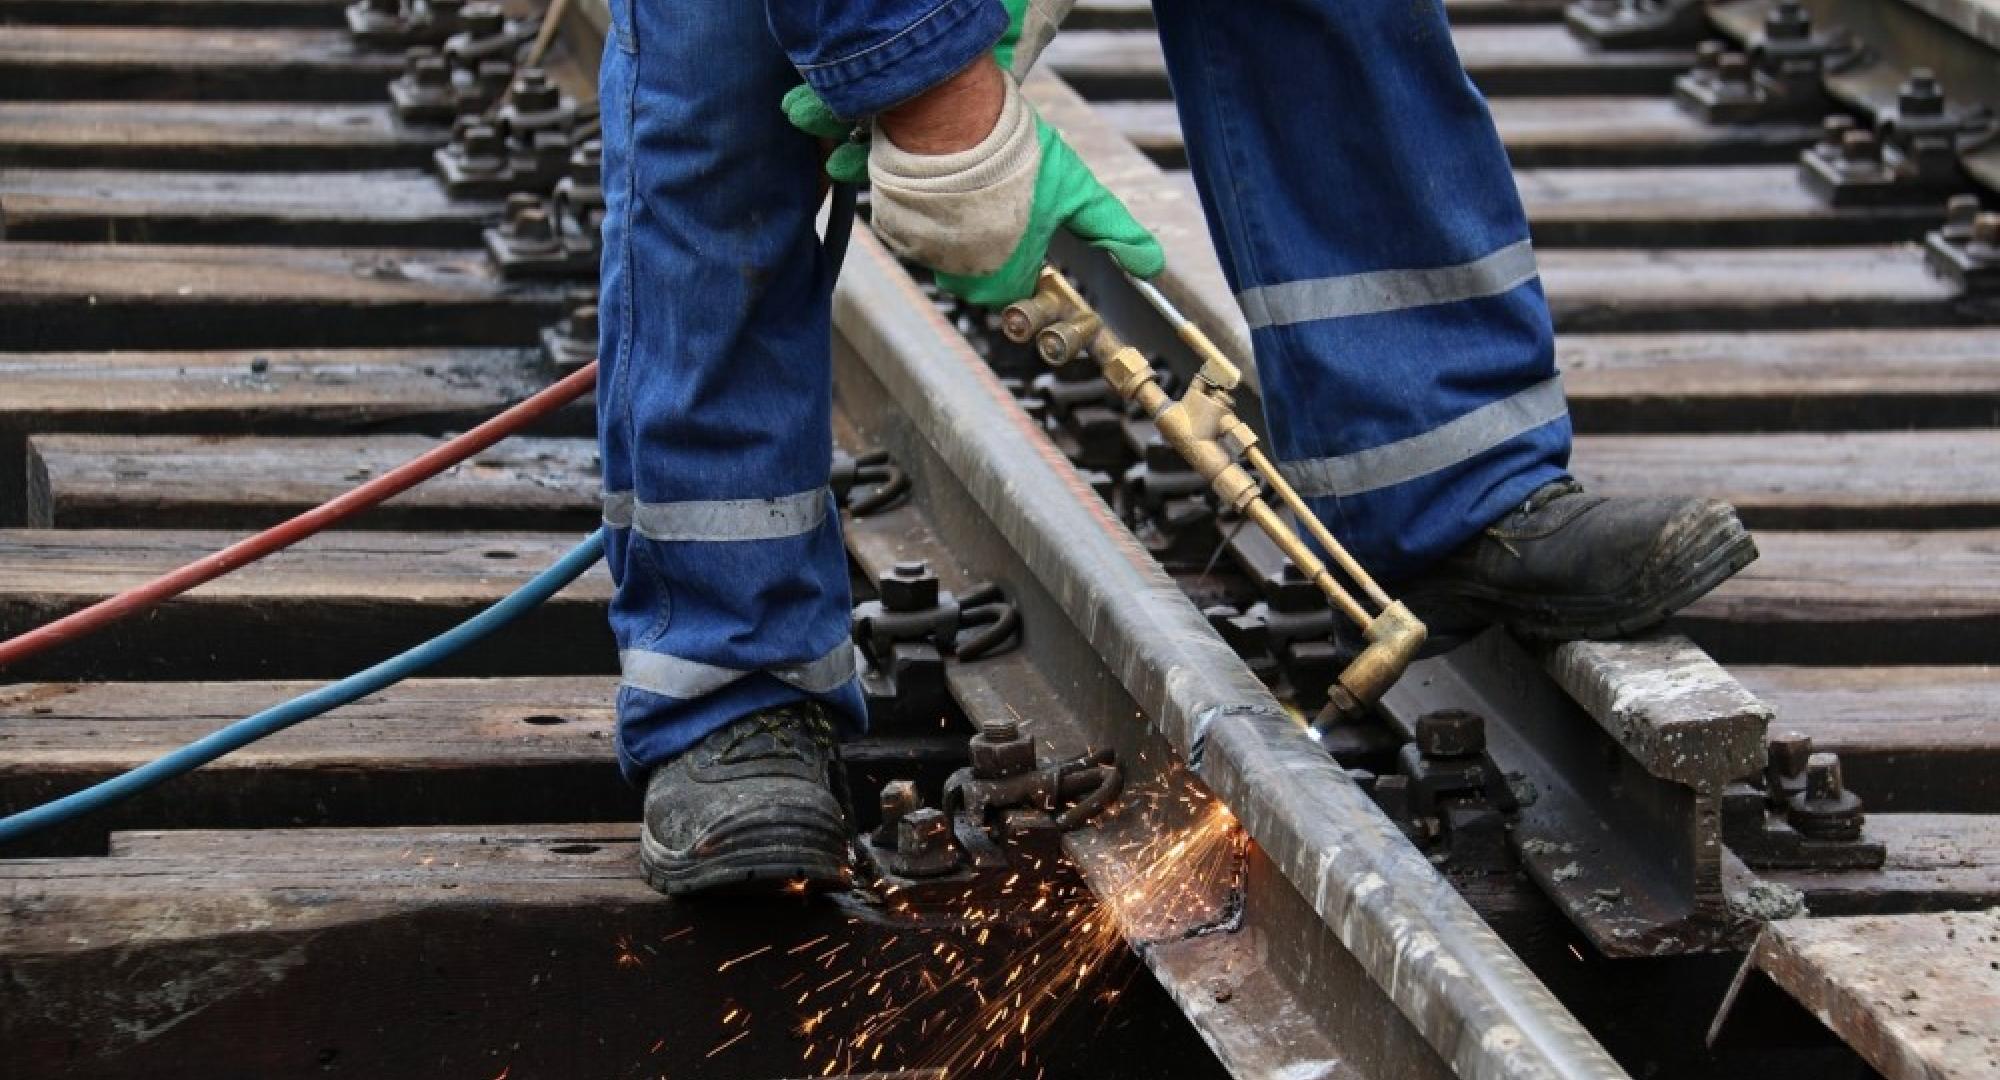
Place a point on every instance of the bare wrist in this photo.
(954, 115)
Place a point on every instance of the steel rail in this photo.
(1587, 697)
(1380, 950)
(1455, 983)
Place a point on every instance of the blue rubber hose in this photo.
(839, 228)
(306, 706)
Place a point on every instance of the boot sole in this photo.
(750, 867)
(1720, 547)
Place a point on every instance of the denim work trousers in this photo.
(715, 397)
(1366, 216)
(1357, 193)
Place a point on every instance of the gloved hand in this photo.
(1031, 24)
(982, 218)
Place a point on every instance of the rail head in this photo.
(1471, 998)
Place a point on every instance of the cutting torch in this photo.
(1202, 425)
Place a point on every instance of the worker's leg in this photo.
(1365, 212)
(715, 395)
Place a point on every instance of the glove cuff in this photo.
(1039, 24)
(963, 212)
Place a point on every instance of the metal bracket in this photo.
(1637, 24)
(905, 635)
(486, 33)
(1169, 507)
(572, 342)
(423, 93)
(400, 23)
(1004, 779)
(1621, 799)
(1802, 818)
(1779, 75)
(865, 484)
(559, 237)
(1967, 248)
(1084, 416)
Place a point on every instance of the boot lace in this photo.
(1538, 498)
(782, 730)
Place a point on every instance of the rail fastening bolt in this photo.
(1789, 21)
(1985, 238)
(1920, 94)
(1787, 752)
(482, 150)
(899, 799)
(1708, 56)
(1860, 147)
(431, 73)
(532, 225)
(533, 93)
(1825, 809)
(909, 586)
(923, 845)
(1961, 212)
(1450, 733)
(483, 20)
(1733, 70)
(491, 80)
(1000, 750)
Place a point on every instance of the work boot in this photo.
(1568, 565)
(750, 807)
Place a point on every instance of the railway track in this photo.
(231, 287)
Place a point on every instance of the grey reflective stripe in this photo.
(674, 677)
(1476, 432)
(1387, 290)
(719, 519)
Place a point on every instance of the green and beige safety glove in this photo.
(982, 218)
(1031, 24)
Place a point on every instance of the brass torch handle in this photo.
(1264, 517)
(1269, 471)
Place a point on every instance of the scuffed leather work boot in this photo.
(1569, 565)
(751, 807)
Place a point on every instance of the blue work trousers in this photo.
(1357, 193)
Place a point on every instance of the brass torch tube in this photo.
(1264, 466)
(1264, 517)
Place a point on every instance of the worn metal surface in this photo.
(1657, 701)
(1469, 997)
(1261, 1016)
(1628, 845)
(1918, 996)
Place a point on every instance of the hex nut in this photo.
(1001, 749)
(1450, 733)
(924, 847)
(1825, 809)
(1787, 752)
(909, 586)
(899, 799)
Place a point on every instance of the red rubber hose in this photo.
(145, 597)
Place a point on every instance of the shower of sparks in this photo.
(966, 980)
(982, 994)
(751, 955)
